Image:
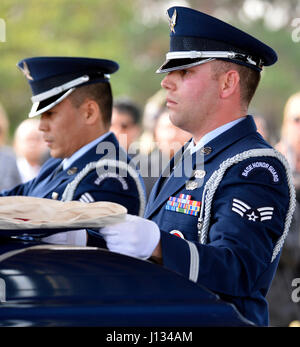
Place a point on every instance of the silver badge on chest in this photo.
(191, 185)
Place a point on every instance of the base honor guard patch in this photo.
(183, 204)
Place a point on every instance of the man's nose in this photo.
(169, 81)
(43, 124)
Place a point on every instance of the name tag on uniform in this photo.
(183, 204)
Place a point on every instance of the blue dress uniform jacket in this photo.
(95, 185)
(246, 208)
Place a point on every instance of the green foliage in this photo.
(107, 29)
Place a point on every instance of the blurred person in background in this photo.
(262, 127)
(168, 137)
(8, 168)
(148, 158)
(126, 125)
(30, 147)
(283, 311)
(125, 122)
(289, 144)
(167, 140)
(152, 109)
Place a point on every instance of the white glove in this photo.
(136, 237)
(73, 238)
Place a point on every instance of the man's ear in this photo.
(91, 111)
(229, 84)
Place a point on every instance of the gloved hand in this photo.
(136, 237)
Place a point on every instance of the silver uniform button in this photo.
(199, 173)
(54, 195)
(191, 185)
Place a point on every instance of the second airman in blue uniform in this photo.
(73, 98)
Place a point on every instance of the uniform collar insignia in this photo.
(172, 21)
(26, 71)
(72, 171)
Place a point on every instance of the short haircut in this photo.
(249, 78)
(130, 108)
(99, 92)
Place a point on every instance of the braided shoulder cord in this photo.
(215, 179)
(72, 186)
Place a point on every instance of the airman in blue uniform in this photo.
(221, 211)
(73, 98)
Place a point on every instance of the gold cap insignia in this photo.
(26, 71)
(172, 21)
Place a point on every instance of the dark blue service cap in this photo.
(52, 79)
(196, 38)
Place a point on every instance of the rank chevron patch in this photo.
(253, 214)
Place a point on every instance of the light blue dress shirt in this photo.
(211, 135)
(67, 162)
